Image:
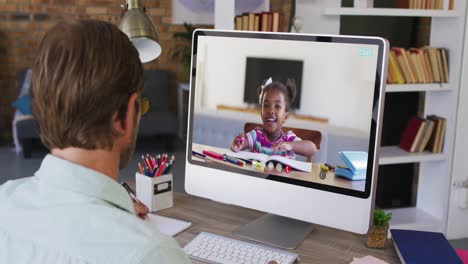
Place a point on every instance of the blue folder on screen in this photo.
(354, 160)
(356, 163)
(423, 247)
(347, 173)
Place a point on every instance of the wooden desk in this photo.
(330, 179)
(323, 245)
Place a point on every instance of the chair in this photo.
(305, 134)
(25, 132)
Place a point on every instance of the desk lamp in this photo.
(140, 30)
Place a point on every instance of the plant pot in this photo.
(377, 236)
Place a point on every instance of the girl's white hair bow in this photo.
(268, 82)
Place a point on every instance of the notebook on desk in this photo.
(423, 247)
(166, 225)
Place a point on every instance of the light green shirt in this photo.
(67, 213)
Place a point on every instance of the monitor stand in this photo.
(275, 230)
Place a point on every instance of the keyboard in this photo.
(210, 248)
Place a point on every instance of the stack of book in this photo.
(265, 21)
(424, 134)
(423, 65)
(423, 4)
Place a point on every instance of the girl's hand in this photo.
(238, 143)
(282, 146)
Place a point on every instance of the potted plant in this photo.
(183, 52)
(377, 235)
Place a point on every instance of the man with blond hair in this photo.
(86, 89)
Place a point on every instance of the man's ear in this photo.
(125, 122)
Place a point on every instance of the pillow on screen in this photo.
(23, 104)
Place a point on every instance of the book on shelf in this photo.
(433, 141)
(245, 21)
(394, 69)
(445, 64)
(419, 136)
(402, 3)
(439, 66)
(276, 22)
(424, 134)
(238, 23)
(442, 135)
(251, 26)
(412, 66)
(400, 55)
(410, 133)
(427, 67)
(264, 21)
(423, 4)
(423, 247)
(436, 142)
(257, 22)
(418, 65)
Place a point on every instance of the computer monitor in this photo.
(327, 168)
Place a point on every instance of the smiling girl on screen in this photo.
(274, 99)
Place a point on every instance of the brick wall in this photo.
(24, 22)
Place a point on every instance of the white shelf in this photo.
(415, 219)
(351, 11)
(419, 87)
(396, 155)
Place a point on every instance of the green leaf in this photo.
(381, 218)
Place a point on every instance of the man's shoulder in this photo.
(10, 187)
(84, 221)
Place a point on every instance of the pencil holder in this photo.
(154, 192)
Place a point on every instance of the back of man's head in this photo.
(84, 73)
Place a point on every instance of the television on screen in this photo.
(257, 70)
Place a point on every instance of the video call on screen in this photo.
(334, 83)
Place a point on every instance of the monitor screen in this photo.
(257, 69)
(295, 109)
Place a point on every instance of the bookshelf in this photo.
(395, 155)
(422, 87)
(415, 219)
(435, 169)
(402, 12)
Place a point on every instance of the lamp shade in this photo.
(141, 32)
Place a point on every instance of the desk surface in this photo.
(323, 245)
(314, 176)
